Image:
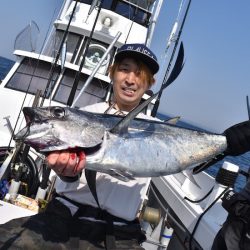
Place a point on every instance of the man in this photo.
(73, 219)
(76, 218)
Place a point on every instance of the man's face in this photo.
(128, 85)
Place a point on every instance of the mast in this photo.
(248, 107)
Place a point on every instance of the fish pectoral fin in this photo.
(188, 173)
(121, 175)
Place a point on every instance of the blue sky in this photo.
(211, 90)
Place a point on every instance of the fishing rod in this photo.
(157, 103)
(95, 4)
(42, 189)
(22, 151)
(32, 75)
(96, 69)
(12, 130)
(248, 107)
(133, 20)
(246, 174)
(58, 54)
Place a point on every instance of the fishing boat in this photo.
(72, 69)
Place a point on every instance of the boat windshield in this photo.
(33, 75)
(136, 10)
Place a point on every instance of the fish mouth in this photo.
(22, 134)
(89, 152)
(30, 117)
(28, 136)
(41, 146)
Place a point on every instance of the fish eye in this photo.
(57, 112)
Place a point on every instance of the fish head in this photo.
(60, 128)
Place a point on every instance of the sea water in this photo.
(5, 66)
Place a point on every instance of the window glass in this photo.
(95, 92)
(73, 41)
(106, 3)
(129, 9)
(145, 4)
(5, 66)
(132, 12)
(32, 75)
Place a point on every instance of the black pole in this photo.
(157, 102)
(248, 107)
(58, 54)
(78, 74)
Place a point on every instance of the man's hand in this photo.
(238, 138)
(66, 163)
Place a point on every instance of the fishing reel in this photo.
(24, 170)
(150, 215)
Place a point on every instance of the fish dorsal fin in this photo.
(122, 126)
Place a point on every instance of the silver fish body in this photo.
(149, 148)
(146, 154)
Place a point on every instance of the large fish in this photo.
(119, 146)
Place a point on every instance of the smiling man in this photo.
(130, 83)
(73, 219)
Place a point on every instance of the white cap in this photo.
(230, 166)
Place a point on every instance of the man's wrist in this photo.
(70, 178)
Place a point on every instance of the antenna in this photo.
(248, 107)
(157, 103)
